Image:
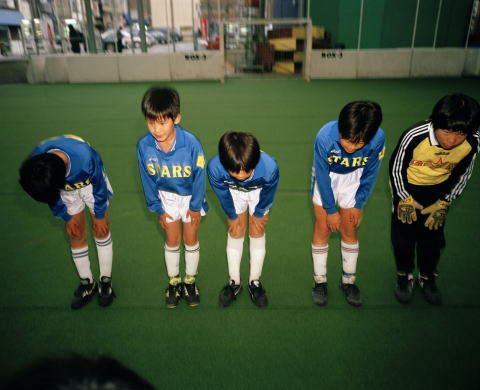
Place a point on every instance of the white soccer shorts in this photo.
(176, 206)
(344, 188)
(77, 199)
(243, 200)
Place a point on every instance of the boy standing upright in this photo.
(244, 179)
(429, 168)
(347, 156)
(67, 174)
(172, 169)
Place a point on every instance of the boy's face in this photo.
(241, 176)
(351, 147)
(449, 139)
(162, 128)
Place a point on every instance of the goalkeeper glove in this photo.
(438, 213)
(406, 210)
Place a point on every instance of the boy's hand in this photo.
(355, 216)
(334, 221)
(406, 210)
(100, 227)
(73, 229)
(438, 213)
(195, 216)
(257, 225)
(162, 219)
(237, 227)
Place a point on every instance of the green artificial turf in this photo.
(292, 343)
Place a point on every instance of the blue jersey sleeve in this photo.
(267, 194)
(59, 210)
(322, 176)
(369, 174)
(221, 190)
(149, 187)
(199, 180)
(100, 189)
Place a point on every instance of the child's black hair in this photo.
(76, 372)
(359, 121)
(457, 112)
(161, 103)
(43, 176)
(238, 151)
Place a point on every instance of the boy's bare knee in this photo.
(78, 242)
(349, 237)
(172, 243)
(256, 231)
(99, 233)
(190, 234)
(237, 231)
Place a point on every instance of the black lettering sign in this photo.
(195, 57)
(332, 55)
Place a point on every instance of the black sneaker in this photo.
(352, 293)
(430, 290)
(191, 294)
(84, 292)
(229, 293)
(257, 293)
(320, 293)
(105, 291)
(404, 288)
(173, 295)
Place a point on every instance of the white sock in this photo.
(172, 260)
(319, 256)
(234, 257)
(257, 255)
(349, 262)
(105, 255)
(192, 257)
(82, 263)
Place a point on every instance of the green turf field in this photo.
(291, 344)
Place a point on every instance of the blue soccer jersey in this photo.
(181, 170)
(84, 168)
(265, 177)
(329, 156)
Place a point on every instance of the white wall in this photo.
(335, 64)
(209, 65)
(472, 63)
(395, 63)
(92, 68)
(203, 65)
(144, 68)
(438, 62)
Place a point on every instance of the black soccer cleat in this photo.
(352, 293)
(430, 290)
(257, 293)
(105, 291)
(404, 288)
(191, 294)
(229, 293)
(84, 292)
(320, 294)
(173, 294)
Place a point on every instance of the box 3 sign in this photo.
(195, 57)
(332, 55)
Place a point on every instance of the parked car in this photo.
(148, 37)
(158, 35)
(172, 34)
(109, 39)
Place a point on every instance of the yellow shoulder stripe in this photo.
(201, 161)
